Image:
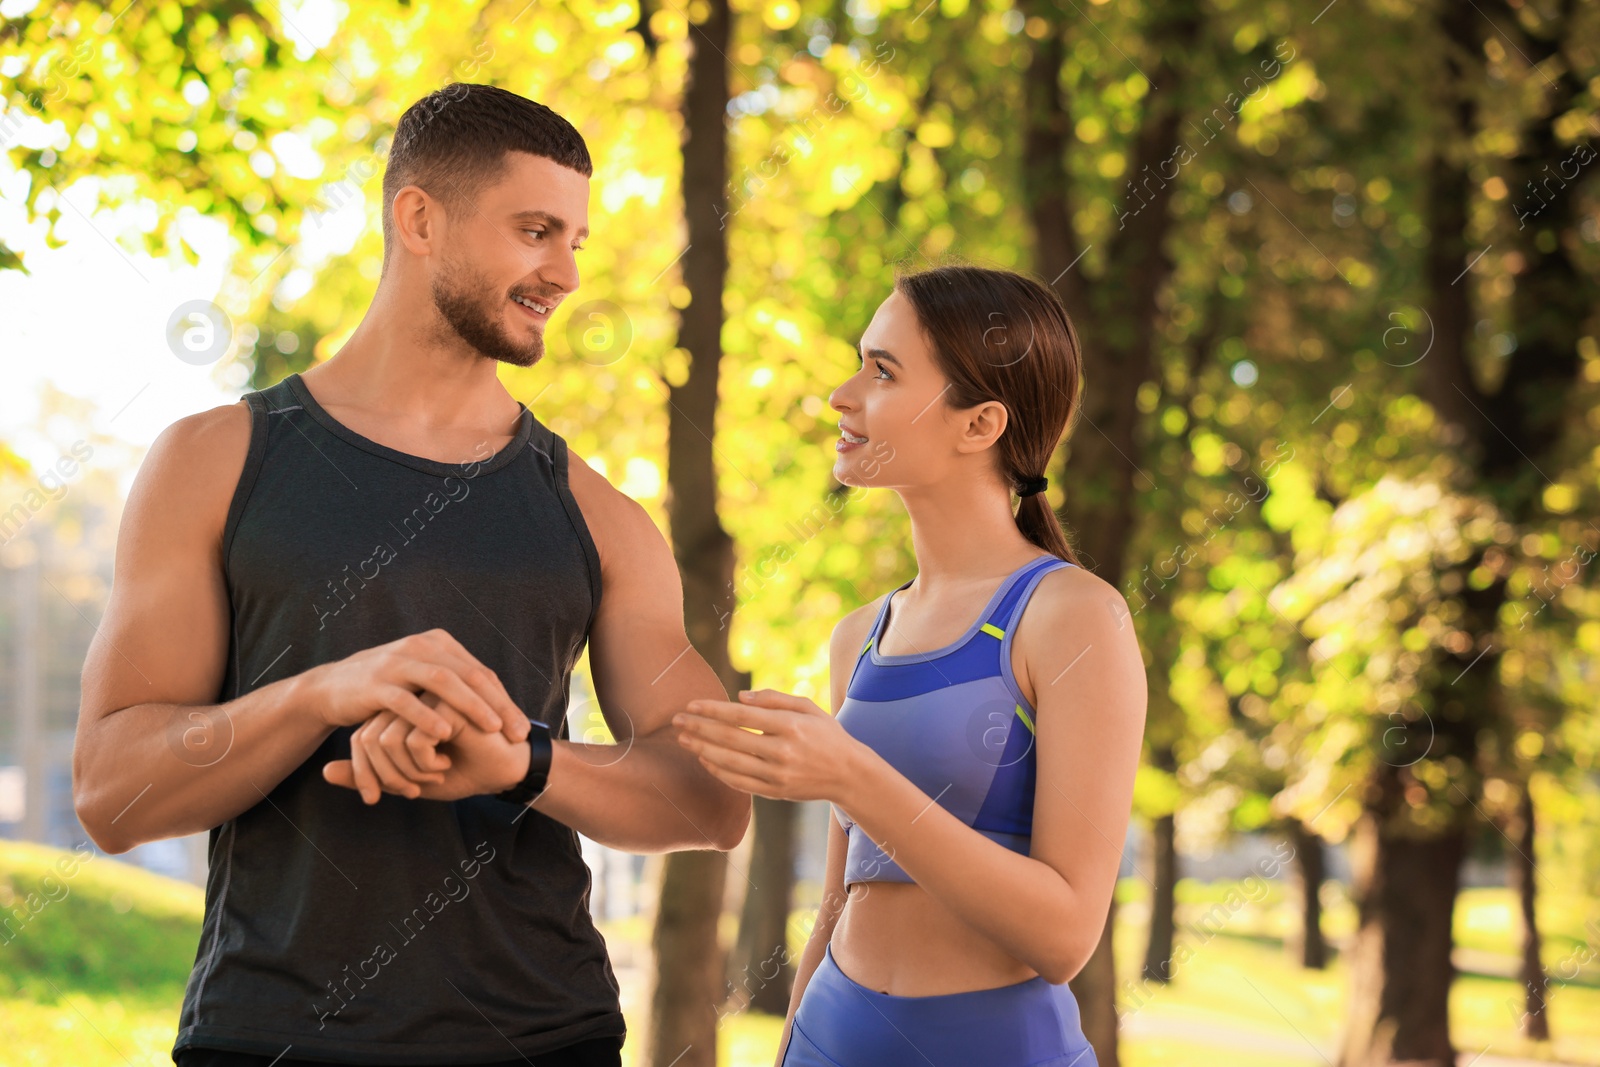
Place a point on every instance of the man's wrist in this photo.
(536, 779)
(303, 696)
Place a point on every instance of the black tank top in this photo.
(413, 931)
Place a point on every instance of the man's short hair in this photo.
(454, 141)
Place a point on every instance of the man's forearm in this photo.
(650, 795)
(154, 771)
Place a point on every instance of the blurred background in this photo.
(1334, 268)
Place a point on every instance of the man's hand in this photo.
(390, 755)
(391, 678)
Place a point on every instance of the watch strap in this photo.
(533, 783)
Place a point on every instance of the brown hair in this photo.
(454, 141)
(1001, 335)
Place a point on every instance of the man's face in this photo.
(511, 247)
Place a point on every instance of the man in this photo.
(391, 532)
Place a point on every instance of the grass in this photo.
(94, 959)
(1237, 970)
(94, 976)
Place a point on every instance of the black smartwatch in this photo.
(533, 783)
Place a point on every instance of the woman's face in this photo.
(894, 401)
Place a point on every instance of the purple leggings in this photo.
(841, 1023)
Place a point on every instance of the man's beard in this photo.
(456, 295)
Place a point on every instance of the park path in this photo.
(1244, 1038)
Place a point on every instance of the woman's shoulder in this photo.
(850, 632)
(845, 647)
(1075, 599)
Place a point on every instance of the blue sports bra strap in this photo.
(1000, 621)
(877, 623)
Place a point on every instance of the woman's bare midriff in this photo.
(894, 938)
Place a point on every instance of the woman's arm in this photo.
(1045, 909)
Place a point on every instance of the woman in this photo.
(979, 767)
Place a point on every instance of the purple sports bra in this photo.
(954, 722)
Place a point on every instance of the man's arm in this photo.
(646, 793)
(156, 755)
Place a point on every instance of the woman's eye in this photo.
(884, 376)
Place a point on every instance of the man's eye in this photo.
(536, 233)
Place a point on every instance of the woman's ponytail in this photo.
(1001, 335)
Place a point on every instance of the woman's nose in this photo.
(839, 399)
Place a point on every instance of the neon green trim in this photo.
(990, 628)
(1026, 721)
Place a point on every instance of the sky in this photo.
(92, 319)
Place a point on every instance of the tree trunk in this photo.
(1163, 894)
(760, 971)
(1164, 858)
(682, 1029)
(1404, 885)
(1306, 944)
(1095, 990)
(1406, 877)
(1553, 300)
(1117, 319)
(1522, 871)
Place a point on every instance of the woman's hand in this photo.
(801, 753)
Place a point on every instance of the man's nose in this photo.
(561, 270)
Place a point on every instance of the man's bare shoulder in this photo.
(215, 440)
(620, 525)
(194, 465)
(226, 426)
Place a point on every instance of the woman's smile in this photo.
(848, 440)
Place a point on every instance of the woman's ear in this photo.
(981, 425)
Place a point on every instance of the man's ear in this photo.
(415, 221)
